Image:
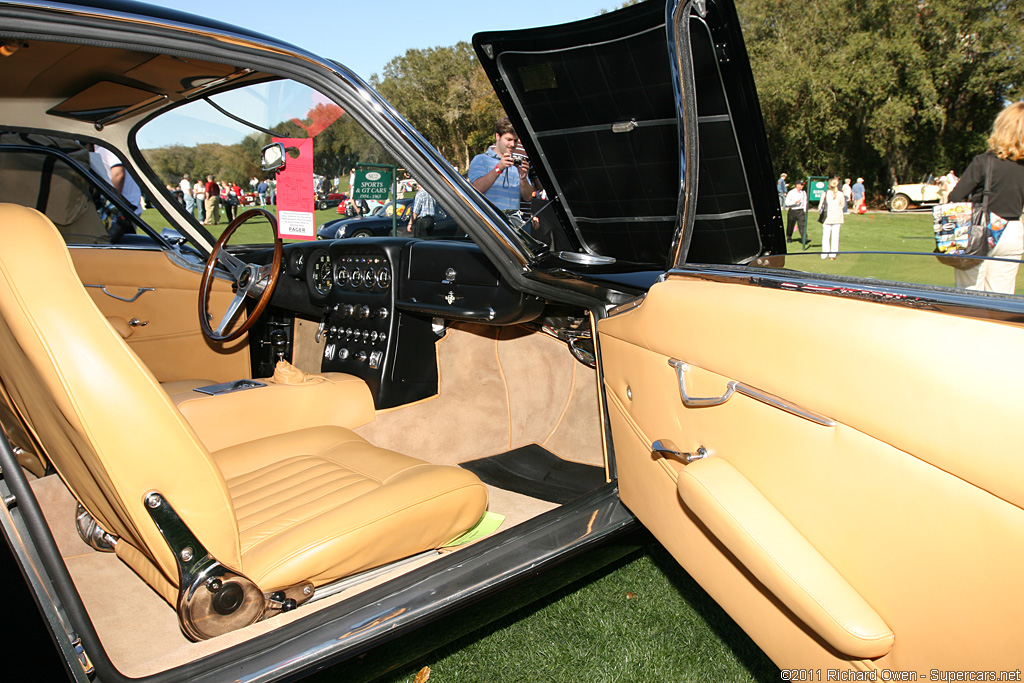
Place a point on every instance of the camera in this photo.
(519, 155)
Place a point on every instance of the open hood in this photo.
(613, 111)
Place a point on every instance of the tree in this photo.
(887, 89)
(445, 94)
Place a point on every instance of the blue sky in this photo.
(367, 35)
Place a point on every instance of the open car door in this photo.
(813, 449)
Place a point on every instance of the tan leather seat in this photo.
(312, 504)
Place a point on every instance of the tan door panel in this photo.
(166, 300)
(889, 533)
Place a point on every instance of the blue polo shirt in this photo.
(504, 193)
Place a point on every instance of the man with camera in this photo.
(500, 174)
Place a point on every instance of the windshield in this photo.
(218, 140)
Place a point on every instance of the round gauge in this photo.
(321, 273)
(341, 275)
(383, 278)
(356, 277)
(296, 263)
(370, 279)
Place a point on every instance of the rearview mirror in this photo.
(272, 157)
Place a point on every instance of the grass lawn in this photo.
(874, 232)
(254, 231)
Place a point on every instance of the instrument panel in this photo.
(376, 301)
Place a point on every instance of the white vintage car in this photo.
(924, 193)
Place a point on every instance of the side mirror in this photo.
(272, 157)
(173, 236)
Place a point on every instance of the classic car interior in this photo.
(299, 440)
(306, 449)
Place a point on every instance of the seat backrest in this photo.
(111, 433)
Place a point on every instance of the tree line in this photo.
(885, 89)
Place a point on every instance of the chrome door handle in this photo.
(663, 448)
(738, 387)
(139, 292)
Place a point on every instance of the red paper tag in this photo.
(295, 191)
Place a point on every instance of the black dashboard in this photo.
(381, 302)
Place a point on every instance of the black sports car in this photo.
(229, 458)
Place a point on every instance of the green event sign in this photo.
(372, 184)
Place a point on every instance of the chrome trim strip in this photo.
(626, 307)
(140, 292)
(738, 387)
(605, 127)
(714, 118)
(626, 219)
(723, 216)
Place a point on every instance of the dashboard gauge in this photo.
(341, 275)
(296, 263)
(355, 279)
(370, 279)
(383, 278)
(321, 273)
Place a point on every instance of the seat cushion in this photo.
(322, 503)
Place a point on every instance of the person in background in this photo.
(185, 185)
(796, 206)
(199, 192)
(212, 201)
(834, 203)
(497, 175)
(858, 195)
(262, 187)
(781, 187)
(225, 201)
(1005, 203)
(109, 165)
(847, 194)
(423, 214)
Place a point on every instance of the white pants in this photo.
(830, 239)
(997, 276)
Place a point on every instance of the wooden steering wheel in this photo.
(250, 280)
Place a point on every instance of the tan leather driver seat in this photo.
(310, 505)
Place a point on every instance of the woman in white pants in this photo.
(1005, 158)
(835, 204)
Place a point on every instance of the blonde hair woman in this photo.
(835, 204)
(1005, 203)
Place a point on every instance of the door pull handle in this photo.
(663, 448)
(735, 387)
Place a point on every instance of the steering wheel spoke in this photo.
(250, 280)
(230, 263)
(233, 308)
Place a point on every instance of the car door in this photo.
(827, 455)
(148, 290)
(816, 450)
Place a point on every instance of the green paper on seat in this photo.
(488, 524)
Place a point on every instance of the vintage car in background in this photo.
(379, 223)
(915, 195)
(330, 200)
(230, 457)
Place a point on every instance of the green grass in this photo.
(254, 231)
(882, 231)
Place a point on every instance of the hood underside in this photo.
(599, 105)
